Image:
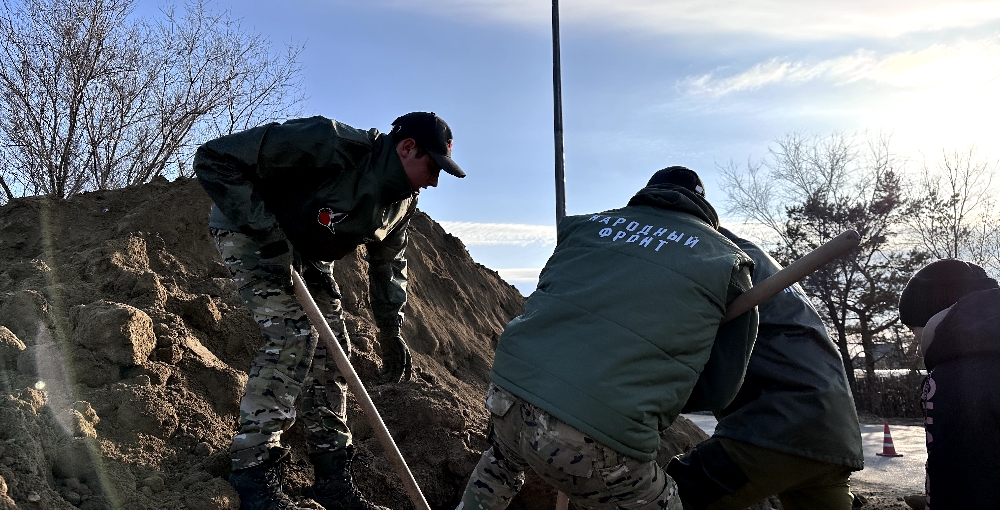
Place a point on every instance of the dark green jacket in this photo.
(624, 318)
(326, 187)
(795, 398)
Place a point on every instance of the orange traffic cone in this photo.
(888, 450)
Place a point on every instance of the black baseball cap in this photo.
(680, 176)
(432, 134)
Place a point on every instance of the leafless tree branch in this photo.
(93, 99)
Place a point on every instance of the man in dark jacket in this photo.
(953, 308)
(610, 348)
(792, 429)
(303, 194)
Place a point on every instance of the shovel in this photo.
(360, 393)
(764, 290)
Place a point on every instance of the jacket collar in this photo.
(967, 331)
(393, 182)
(677, 198)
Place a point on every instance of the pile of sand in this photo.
(124, 349)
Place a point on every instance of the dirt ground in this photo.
(124, 349)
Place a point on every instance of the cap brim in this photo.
(447, 164)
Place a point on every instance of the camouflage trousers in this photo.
(291, 367)
(594, 476)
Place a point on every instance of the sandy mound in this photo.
(124, 346)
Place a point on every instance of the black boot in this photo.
(334, 487)
(260, 486)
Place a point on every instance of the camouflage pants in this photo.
(291, 365)
(594, 476)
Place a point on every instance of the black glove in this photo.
(276, 259)
(396, 363)
(316, 278)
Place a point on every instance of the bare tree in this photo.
(958, 215)
(52, 55)
(795, 167)
(808, 190)
(987, 236)
(91, 98)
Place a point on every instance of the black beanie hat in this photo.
(937, 286)
(680, 176)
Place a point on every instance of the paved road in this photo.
(905, 474)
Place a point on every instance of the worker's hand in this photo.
(396, 363)
(276, 259)
(317, 276)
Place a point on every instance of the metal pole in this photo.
(562, 502)
(558, 117)
(360, 393)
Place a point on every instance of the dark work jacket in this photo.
(626, 313)
(323, 185)
(962, 405)
(795, 397)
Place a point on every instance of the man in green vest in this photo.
(612, 345)
(303, 194)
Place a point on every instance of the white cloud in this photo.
(511, 234)
(751, 230)
(784, 19)
(938, 96)
(963, 64)
(527, 239)
(525, 280)
(520, 273)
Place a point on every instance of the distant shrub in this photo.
(890, 395)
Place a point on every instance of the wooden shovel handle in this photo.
(795, 271)
(360, 393)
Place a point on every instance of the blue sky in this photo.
(646, 84)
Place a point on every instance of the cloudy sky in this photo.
(646, 84)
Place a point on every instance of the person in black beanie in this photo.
(953, 309)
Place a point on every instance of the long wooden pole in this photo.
(360, 393)
(795, 271)
(774, 284)
(562, 501)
